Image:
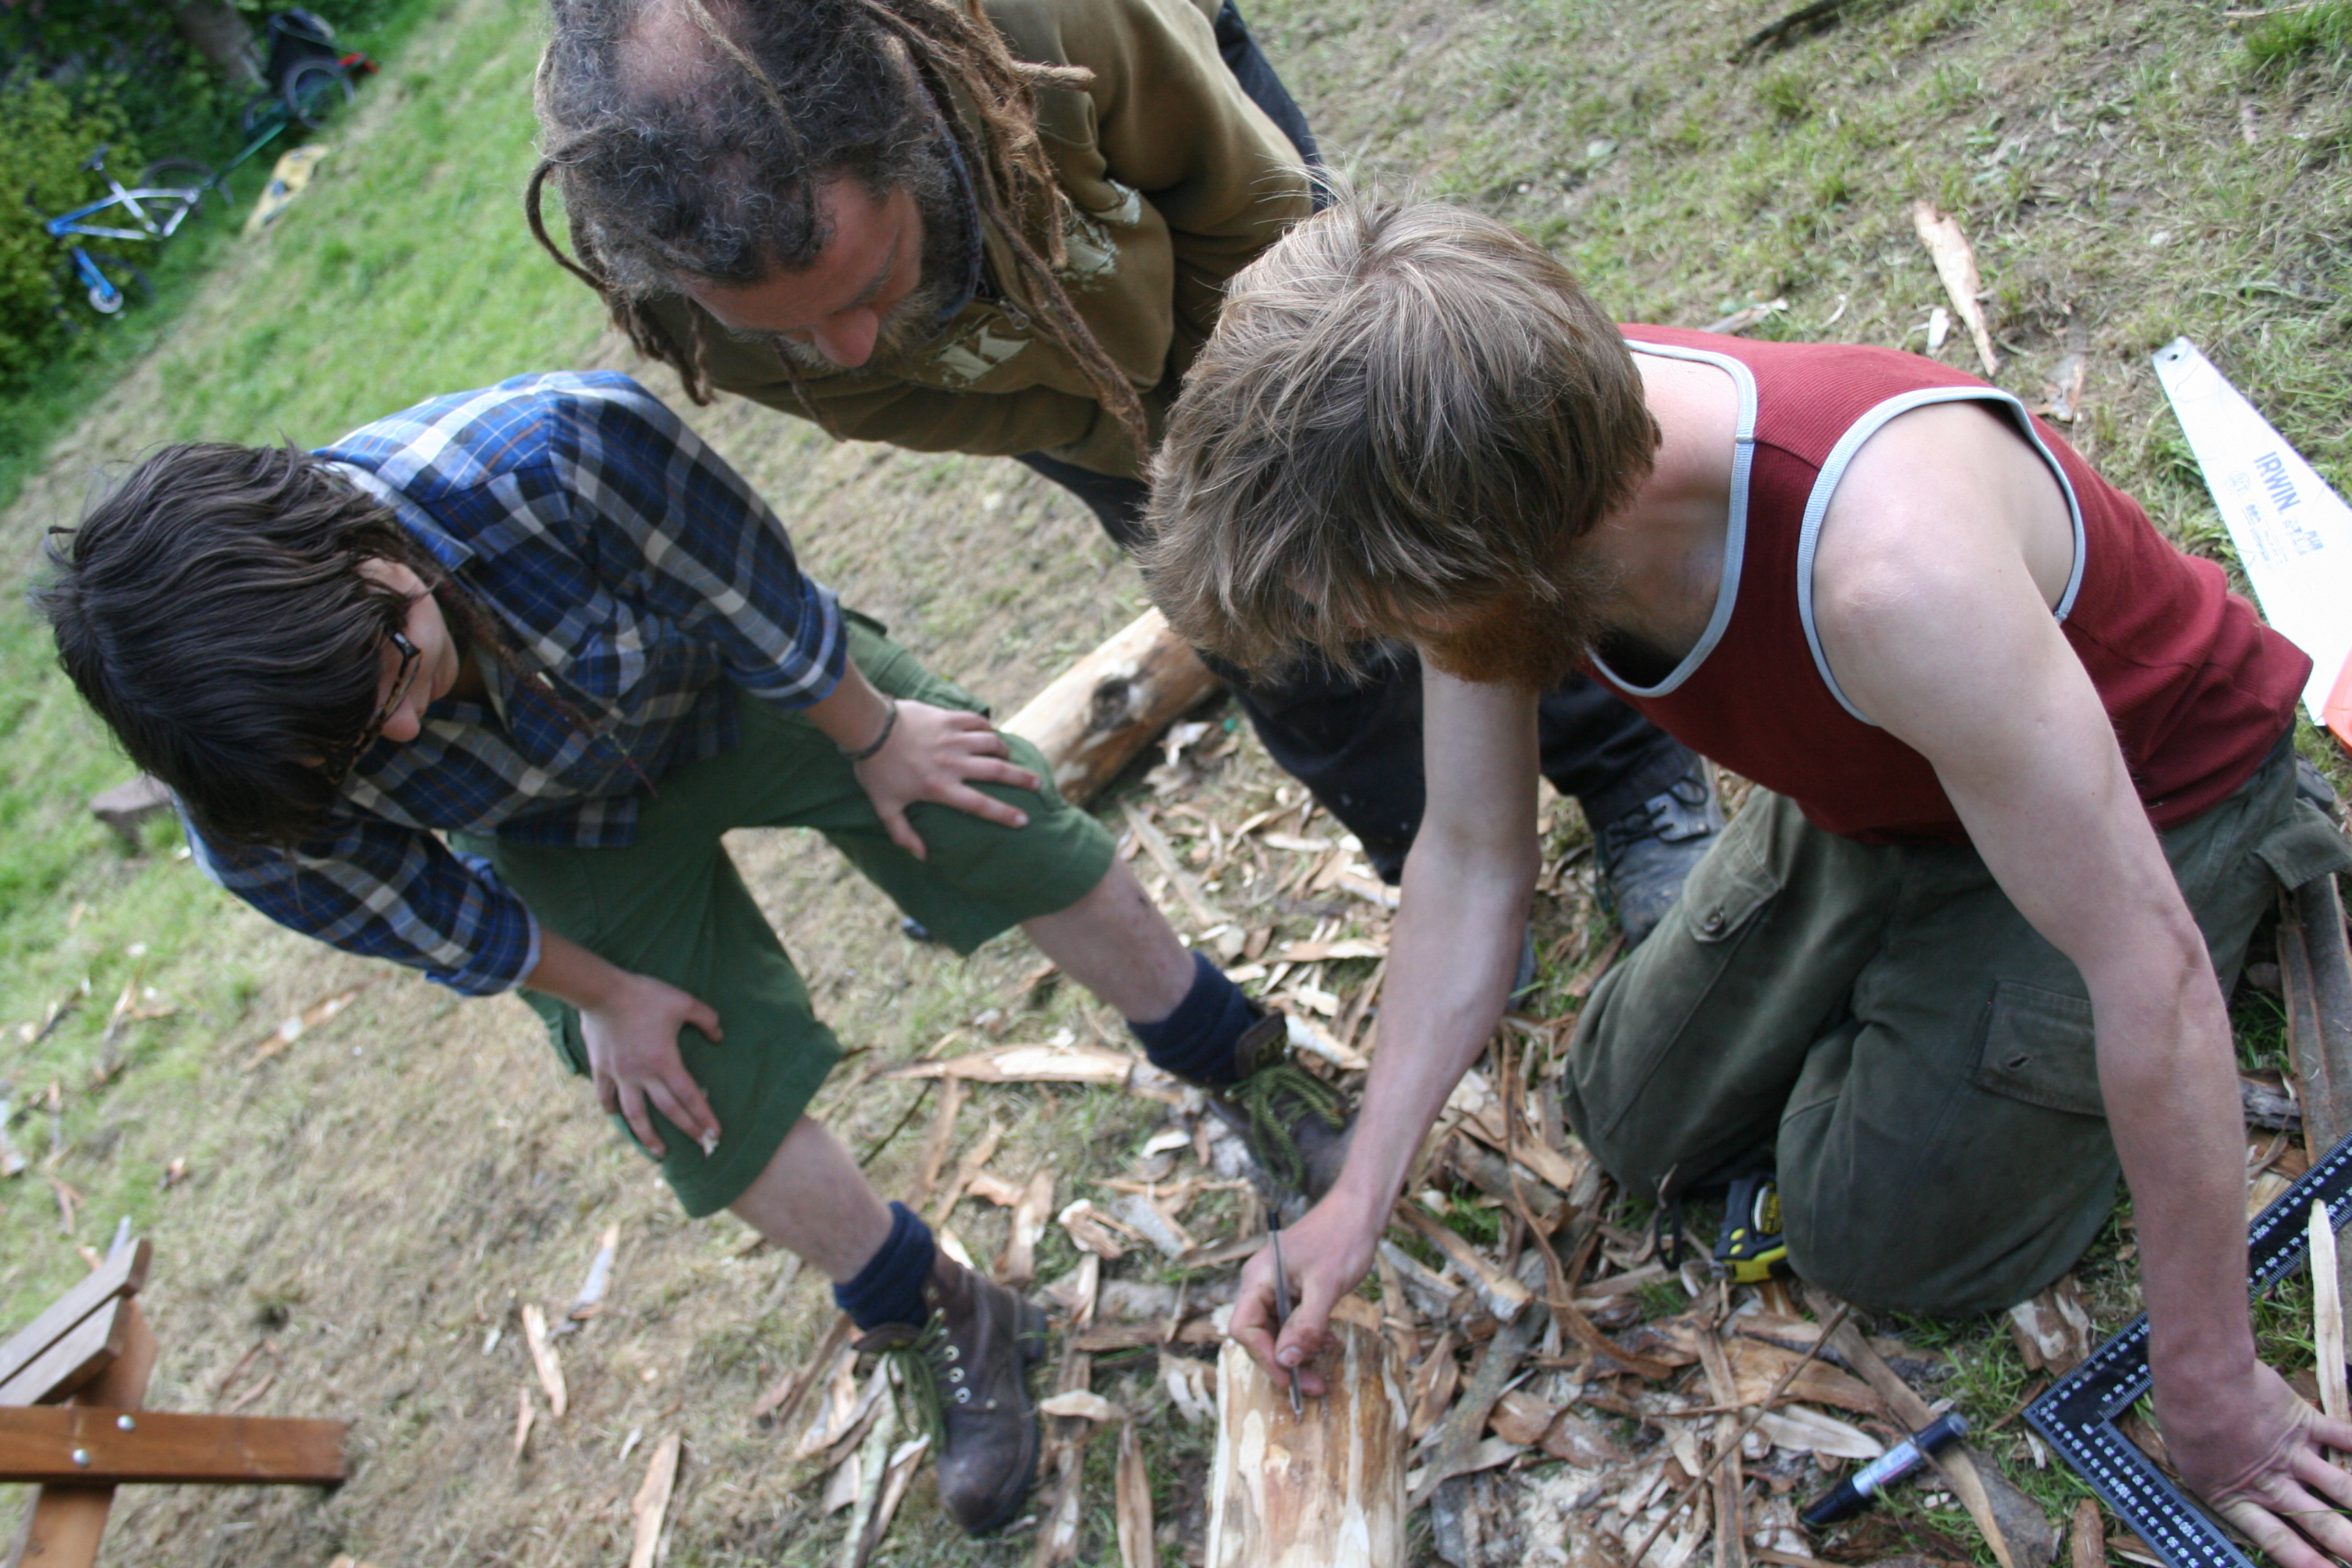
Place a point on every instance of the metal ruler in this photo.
(2077, 1416)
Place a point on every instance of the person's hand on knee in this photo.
(633, 1057)
(939, 755)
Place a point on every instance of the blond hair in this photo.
(1404, 408)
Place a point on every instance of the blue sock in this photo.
(1196, 1041)
(889, 1288)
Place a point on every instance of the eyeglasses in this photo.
(403, 678)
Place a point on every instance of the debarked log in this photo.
(1324, 1489)
(1111, 704)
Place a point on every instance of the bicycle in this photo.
(309, 75)
(157, 208)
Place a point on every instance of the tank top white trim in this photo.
(1833, 471)
(1734, 531)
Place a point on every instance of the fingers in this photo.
(705, 1017)
(681, 1101)
(2315, 1471)
(1253, 1317)
(2269, 1523)
(986, 807)
(633, 1111)
(1304, 1337)
(1001, 773)
(893, 822)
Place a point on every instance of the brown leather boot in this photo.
(966, 1372)
(1294, 1125)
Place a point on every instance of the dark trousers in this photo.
(1356, 743)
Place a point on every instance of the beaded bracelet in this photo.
(890, 723)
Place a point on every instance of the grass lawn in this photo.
(373, 1204)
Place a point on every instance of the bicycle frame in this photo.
(65, 224)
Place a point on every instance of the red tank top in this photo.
(2198, 689)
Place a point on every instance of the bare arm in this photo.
(1467, 884)
(1933, 620)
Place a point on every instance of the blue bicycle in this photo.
(168, 190)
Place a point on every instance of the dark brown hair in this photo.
(712, 172)
(211, 608)
(1404, 409)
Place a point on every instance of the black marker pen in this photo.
(1854, 1493)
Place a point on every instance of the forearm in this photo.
(1455, 949)
(569, 972)
(853, 713)
(2168, 1076)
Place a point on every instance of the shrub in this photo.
(43, 137)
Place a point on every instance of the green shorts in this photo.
(672, 904)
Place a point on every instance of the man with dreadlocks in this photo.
(545, 620)
(1007, 230)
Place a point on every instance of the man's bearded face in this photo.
(1518, 638)
(948, 244)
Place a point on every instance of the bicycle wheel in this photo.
(189, 182)
(265, 112)
(123, 284)
(315, 90)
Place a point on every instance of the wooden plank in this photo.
(38, 1444)
(63, 1525)
(85, 1351)
(121, 1275)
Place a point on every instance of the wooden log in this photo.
(1321, 1489)
(1111, 704)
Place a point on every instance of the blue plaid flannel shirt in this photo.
(643, 582)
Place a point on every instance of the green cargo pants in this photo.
(1883, 1022)
(673, 905)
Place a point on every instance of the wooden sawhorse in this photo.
(93, 1351)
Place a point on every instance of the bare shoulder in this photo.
(1942, 504)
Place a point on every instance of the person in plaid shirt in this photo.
(479, 687)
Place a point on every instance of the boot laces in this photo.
(915, 1385)
(1273, 1098)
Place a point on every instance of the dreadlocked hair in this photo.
(708, 169)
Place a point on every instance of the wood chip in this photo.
(938, 1140)
(1082, 1404)
(1146, 1220)
(873, 1471)
(1956, 264)
(1502, 1295)
(543, 1358)
(1803, 1430)
(900, 1475)
(2054, 1330)
(1756, 1366)
(1027, 1064)
(1017, 1263)
(651, 1504)
(786, 1395)
(1321, 952)
(2088, 1545)
(1092, 1231)
(975, 1160)
(2326, 1313)
(524, 1416)
(301, 1024)
(1132, 1495)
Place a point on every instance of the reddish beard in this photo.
(1518, 639)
